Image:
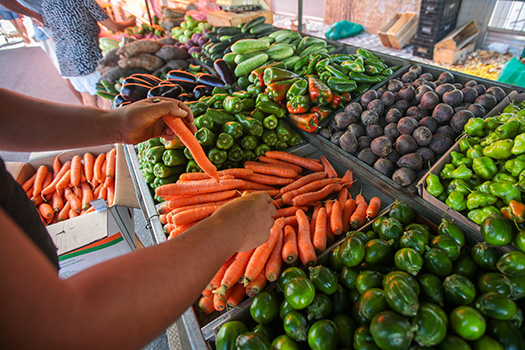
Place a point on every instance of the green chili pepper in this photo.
(479, 199)
(277, 90)
(502, 177)
(270, 122)
(221, 96)
(218, 90)
(269, 137)
(261, 97)
(516, 165)
(324, 76)
(353, 66)
(484, 187)
(499, 150)
(372, 69)
(341, 85)
(462, 172)
(257, 74)
(456, 201)
(205, 136)
(336, 72)
(434, 186)
(262, 149)
(147, 166)
(257, 114)
(365, 53)
(506, 191)
(204, 121)
(248, 142)
(459, 158)
(242, 94)
(362, 88)
(193, 167)
(217, 105)
(219, 116)
(459, 185)
(197, 107)
(162, 170)
(172, 157)
(270, 107)
(479, 215)
(379, 64)
(467, 142)
(254, 89)
(446, 172)
(284, 132)
(235, 153)
(363, 78)
(224, 141)
(251, 126)
(233, 128)
(248, 104)
(273, 74)
(232, 104)
(475, 151)
(208, 100)
(475, 127)
(320, 67)
(519, 145)
(310, 69)
(300, 87)
(298, 104)
(154, 154)
(300, 64)
(484, 167)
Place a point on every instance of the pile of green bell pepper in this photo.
(487, 171)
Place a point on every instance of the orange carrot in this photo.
(290, 220)
(267, 160)
(96, 190)
(289, 251)
(57, 201)
(342, 196)
(271, 193)
(304, 242)
(268, 169)
(52, 187)
(207, 293)
(216, 280)
(41, 173)
(168, 227)
(269, 179)
(110, 193)
(373, 207)
(26, 185)
(274, 263)
(64, 181)
(235, 271)
(82, 175)
(250, 185)
(262, 252)
(76, 164)
(256, 285)
(111, 158)
(311, 197)
(348, 210)
(188, 139)
(236, 295)
(164, 208)
(319, 239)
(328, 167)
(163, 220)
(359, 198)
(206, 304)
(336, 218)
(358, 218)
(315, 211)
(37, 200)
(295, 159)
(46, 210)
(89, 162)
(56, 165)
(74, 201)
(203, 198)
(179, 230)
(347, 179)
(98, 175)
(72, 214)
(192, 215)
(103, 193)
(192, 188)
(87, 195)
(278, 203)
(199, 205)
(283, 212)
(303, 181)
(237, 173)
(64, 213)
(219, 301)
(47, 180)
(309, 187)
(328, 204)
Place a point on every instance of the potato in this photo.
(168, 53)
(384, 166)
(144, 60)
(413, 161)
(404, 176)
(138, 47)
(367, 156)
(381, 146)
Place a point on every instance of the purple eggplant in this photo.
(153, 80)
(180, 74)
(201, 90)
(210, 80)
(134, 91)
(186, 85)
(173, 92)
(161, 90)
(224, 71)
(186, 97)
(136, 80)
(202, 40)
(194, 49)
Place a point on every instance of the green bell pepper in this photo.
(336, 72)
(479, 215)
(251, 126)
(503, 177)
(515, 165)
(217, 156)
(257, 114)
(161, 170)
(298, 104)
(467, 142)
(340, 58)
(242, 94)
(284, 132)
(262, 149)
(249, 156)
(205, 136)
(187, 153)
(506, 191)
(446, 172)
(434, 186)
(277, 90)
(456, 201)
(281, 145)
(269, 137)
(193, 167)
(509, 130)
(491, 123)
(148, 176)
(300, 87)
(270, 107)
(475, 127)
(224, 141)
(221, 96)
(458, 158)
(462, 172)
(459, 185)
(248, 142)
(353, 66)
(320, 66)
(197, 108)
(154, 154)
(484, 167)
(270, 122)
(324, 76)
(254, 89)
(248, 104)
(477, 199)
(261, 97)
(232, 104)
(235, 153)
(219, 116)
(204, 121)
(519, 145)
(295, 139)
(233, 128)
(301, 63)
(489, 139)
(484, 187)
(172, 157)
(499, 150)
(475, 151)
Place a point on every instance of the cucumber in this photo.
(228, 30)
(281, 54)
(281, 32)
(236, 37)
(284, 39)
(245, 46)
(230, 58)
(225, 38)
(269, 39)
(240, 58)
(218, 47)
(290, 61)
(314, 48)
(245, 67)
(259, 28)
(308, 41)
(253, 22)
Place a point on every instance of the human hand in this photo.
(142, 120)
(247, 219)
(132, 22)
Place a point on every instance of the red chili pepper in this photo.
(517, 211)
(322, 112)
(308, 122)
(337, 101)
(320, 93)
(298, 104)
(277, 91)
(347, 96)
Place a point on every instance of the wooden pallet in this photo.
(399, 31)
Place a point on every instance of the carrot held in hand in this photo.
(192, 188)
(191, 215)
(203, 198)
(188, 139)
(304, 242)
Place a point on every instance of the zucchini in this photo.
(259, 28)
(253, 22)
(245, 46)
(245, 67)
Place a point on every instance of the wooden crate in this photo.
(228, 18)
(457, 44)
(399, 31)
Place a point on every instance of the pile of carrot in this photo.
(314, 209)
(66, 189)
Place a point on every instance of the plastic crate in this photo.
(435, 29)
(423, 47)
(444, 8)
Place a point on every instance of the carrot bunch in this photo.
(67, 188)
(314, 208)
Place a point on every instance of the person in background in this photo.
(16, 21)
(122, 303)
(74, 24)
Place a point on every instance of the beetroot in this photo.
(443, 113)
(430, 100)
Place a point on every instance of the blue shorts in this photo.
(8, 15)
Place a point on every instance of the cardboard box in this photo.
(399, 31)
(457, 44)
(225, 18)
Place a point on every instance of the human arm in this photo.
(126, 302)
(118, 26)
(30, 124)
(14, 6)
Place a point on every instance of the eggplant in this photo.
(136, 80)
(186, 97)
(160, 90)
(153, 80)
(118, 100)
(174, 92)
(181, 75)
(201, 90)
(210, 80)
(186, 85)
(134, 91)
(224, 71)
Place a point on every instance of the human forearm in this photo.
(18, 8)
(117, 26)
